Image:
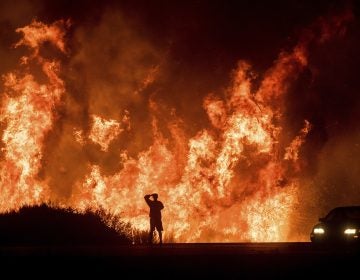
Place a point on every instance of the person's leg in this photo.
(150, 236)
(151, 233)
(160, 236)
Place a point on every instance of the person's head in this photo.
(155, 196)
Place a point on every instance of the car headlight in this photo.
(319, 231)
(350, 231)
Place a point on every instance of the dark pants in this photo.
(155, 224)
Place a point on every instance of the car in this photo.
(340, 225)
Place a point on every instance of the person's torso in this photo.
(155, 209)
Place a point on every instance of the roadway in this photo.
(187, 261)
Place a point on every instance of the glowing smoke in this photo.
(107, 140)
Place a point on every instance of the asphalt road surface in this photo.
(185, 261)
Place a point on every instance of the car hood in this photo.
(342, 224)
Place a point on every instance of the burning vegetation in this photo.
(99, 143)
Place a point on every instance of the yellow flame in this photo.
(228, 182)
(27, 111)
(104, 131)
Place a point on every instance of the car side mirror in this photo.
(321, 219)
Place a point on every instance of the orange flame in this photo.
(104, 131)
(27, 111)
(292, 152)
(229, 182)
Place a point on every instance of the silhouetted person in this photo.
(155, 215)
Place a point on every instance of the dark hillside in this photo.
(43, 225)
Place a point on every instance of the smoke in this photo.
(326, 96)
(107, 75)
(12, 17)
(229, 151)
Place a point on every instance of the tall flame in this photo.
(28, 113)
(232, 181)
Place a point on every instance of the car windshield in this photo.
(339, 214)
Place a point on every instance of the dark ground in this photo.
(45, 226)
(183, 261)
(42, 242)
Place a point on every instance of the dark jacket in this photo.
(155, 207)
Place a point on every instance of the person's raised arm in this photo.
(147, 199)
